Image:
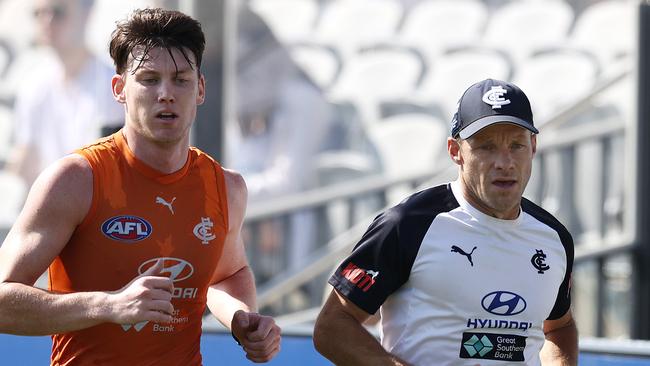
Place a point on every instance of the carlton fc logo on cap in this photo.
(494, 97)
(127, 228)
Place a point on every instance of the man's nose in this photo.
(165, 93)
(504, 159)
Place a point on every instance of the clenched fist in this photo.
(146, 298)
(258, 335)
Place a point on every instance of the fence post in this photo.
(641, 319)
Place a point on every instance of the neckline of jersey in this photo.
(147, 170)
(481, 216)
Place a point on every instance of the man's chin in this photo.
(165, 138)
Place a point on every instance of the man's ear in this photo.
(200, 97)
(533, 142)
(117, 85)
(453, 148)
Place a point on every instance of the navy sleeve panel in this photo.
(563, 298)
(381, 261)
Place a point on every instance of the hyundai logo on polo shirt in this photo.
(503, 303)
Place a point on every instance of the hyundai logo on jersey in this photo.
(178, 269)
(126, 228)
(503, 303)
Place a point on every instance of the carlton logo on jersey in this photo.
(203, 230)
(503, 303)
(127, 228)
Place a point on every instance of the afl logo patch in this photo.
(126, 228)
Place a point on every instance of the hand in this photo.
(146, 298)
(258, 335)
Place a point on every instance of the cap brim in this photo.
(480, 124)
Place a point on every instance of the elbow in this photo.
(321, 333)
(5, 290)
(5, 308)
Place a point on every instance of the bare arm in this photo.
(233, 285)
(340, 336)
(231, 297)
(561, 346)
(57, 203)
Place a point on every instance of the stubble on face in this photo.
(496, 167)
(162, 94)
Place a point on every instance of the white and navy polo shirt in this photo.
(457, 286)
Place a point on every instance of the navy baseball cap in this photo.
(488, 102)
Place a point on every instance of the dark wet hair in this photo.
(150, 28)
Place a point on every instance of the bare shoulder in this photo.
(66, 185)
(69, 173)
(73, 166)
(237, 198)
(235, 181)
(57, 203)
(236, 188)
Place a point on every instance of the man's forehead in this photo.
(144, 59)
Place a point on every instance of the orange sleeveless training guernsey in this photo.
(139, 215)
